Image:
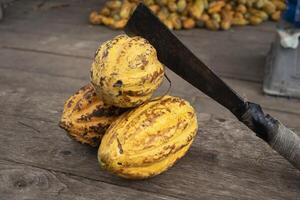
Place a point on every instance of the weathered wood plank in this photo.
(19, 181)
(36, 76)
(247, 64)
(224, 162)
(55, 65)
(40, 69)
(54, 11)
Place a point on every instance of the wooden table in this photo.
(46, 48)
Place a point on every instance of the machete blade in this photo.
(177, 57)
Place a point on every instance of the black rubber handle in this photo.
(280, 138)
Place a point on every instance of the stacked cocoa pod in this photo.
(187, 14)
(139, 136)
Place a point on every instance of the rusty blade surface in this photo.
(177, 57)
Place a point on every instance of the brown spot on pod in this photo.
(86, 118)
(152, 137)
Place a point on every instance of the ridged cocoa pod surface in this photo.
(149, 139)
(86, 118)
(126, 71)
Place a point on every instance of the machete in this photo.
(177, 57)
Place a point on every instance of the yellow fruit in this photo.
(269, 7)
(149, 139)
(212, 25)
(168, 23)
(163, 14)
(204, 17)
(175, 21)
(108, 21)
(228, 7)
(216, 17)
(197, 9)
(95, 18)
(113, 4)
(104, 11)
(86, 118)
(126, 71)
(216, 7)
(255, 20)
(125, 10)
(172, 6)
(241, 8)
(188, 23)
(239, 21)
(181, 5)
(119, 24)
(280, 5)
(226, 19)
(276, 15)
(261, 14)
(225, 25)
(260, 3)
(154, 8)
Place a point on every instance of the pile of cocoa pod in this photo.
(187, 14)
(139, 136)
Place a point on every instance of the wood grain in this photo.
(44, 88)
(45, 55)
(253, 41)
(19, 181)
(225, 161)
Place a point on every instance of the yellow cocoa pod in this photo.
(250, 3)
(181, 5)
(280, 5)
(126, 71)
(168, 23)
(228, 7)
(116, 17)
(276, 15)
(215, 7)
(162, 2)
(188, 23)
(225, 25)
(216, 17)
(226, 19)
(104, 11)
(269, 7)
(163, 14)
(174, 18)
(86, 118)
(204, 17)
(119, 24)
(260, 3)
(255, 20)
(172, 6)
(226, 15)
(154, 8)
(261, 14)
(113, 4)
(238, 15)
(95, 18)
(212, 25)
(242, 1)
(241, 8)
(149, 2)
(148, 140)
(108, 21)
(239, 21)
(125, 10)
(197, 9)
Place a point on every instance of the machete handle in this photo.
(279, 137)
